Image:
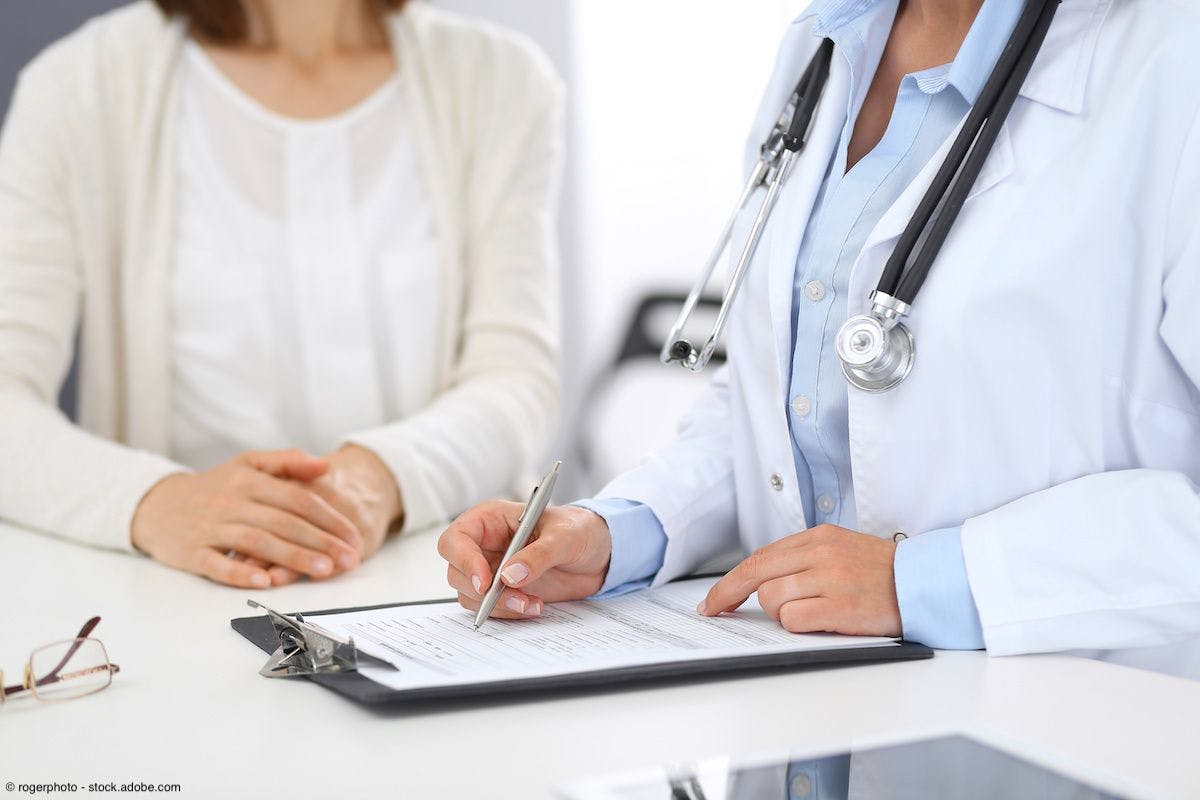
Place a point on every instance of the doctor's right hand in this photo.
(566, 557)
(195, 521)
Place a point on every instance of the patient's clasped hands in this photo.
(266, 518)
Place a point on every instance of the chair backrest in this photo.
(632, 405)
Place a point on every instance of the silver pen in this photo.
(525, 525)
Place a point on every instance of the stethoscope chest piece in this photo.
(876, 349)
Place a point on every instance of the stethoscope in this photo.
(876, 349)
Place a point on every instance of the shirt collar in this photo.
(1058, 77)
(831, 15)
(981, 48)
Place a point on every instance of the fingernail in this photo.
(515, 604)
(703, 607)
(322, 565)
(534, 610)
(514, 573)
(260, 579)
(477, 582)
(346, 560)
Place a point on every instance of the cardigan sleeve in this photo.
(54, 476)
(485, 430)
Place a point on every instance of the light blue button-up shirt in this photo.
(935, 600)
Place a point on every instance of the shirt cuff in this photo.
(936, 605)
(638, 543)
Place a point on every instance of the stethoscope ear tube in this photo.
(808, 94)
(681, 349)
(676, 348)
(776, 158)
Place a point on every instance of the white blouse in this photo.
(305, 288)
(89, 233)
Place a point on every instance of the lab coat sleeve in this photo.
(688, 485)
(1109, 560)
(54, 476)
(482, 434)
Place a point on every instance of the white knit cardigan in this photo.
(87, 199)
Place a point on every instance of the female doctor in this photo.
(1031, 484)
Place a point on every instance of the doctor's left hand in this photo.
(823, 579)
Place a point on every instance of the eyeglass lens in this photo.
(69, 669)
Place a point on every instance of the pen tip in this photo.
(475, 627)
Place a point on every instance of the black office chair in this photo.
(637, 358)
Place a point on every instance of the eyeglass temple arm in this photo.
(113, 668)
(87, 628)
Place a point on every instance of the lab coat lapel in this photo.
(793, 213)
(999, 165)
(1058, 79)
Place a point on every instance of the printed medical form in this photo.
(434, 645)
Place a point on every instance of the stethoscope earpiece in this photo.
(682, 350)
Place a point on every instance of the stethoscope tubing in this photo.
(952, 184)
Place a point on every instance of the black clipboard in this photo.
(361, 689)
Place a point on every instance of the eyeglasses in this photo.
(65, 670)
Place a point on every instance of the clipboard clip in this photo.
(305, 648)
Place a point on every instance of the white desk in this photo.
(189, 707)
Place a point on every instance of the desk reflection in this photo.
(950, 767)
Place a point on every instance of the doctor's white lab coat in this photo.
(1054, 408)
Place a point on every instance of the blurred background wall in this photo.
(661, 93)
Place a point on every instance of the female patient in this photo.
(279, 228)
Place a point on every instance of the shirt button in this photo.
(801, 405)
(814, 291)
(777, 482)
(801, 785)
(826, 504)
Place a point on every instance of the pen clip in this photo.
(547, 481)
(528, 504)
